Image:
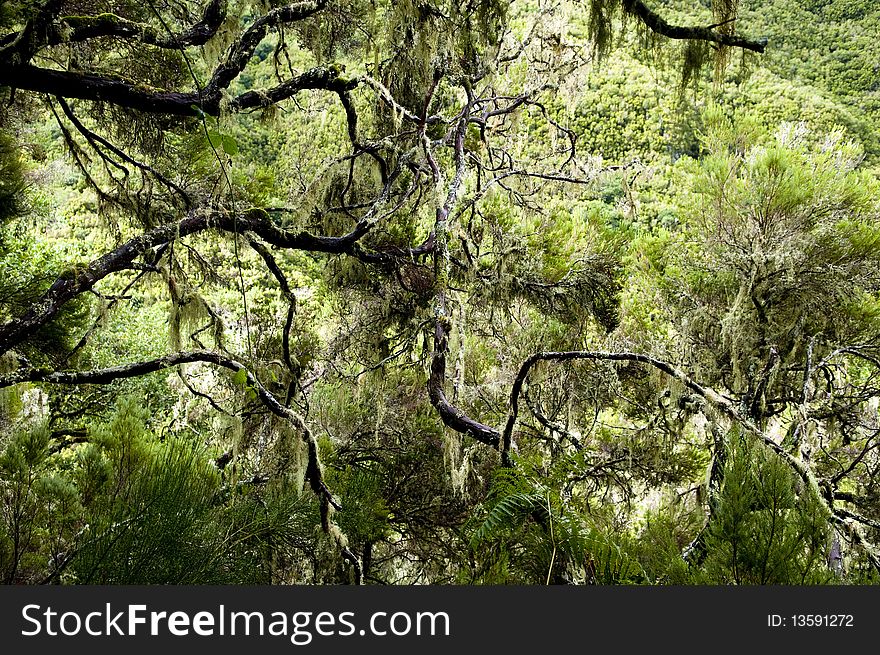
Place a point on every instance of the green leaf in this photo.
(224, 141)
(510, 513)
(215, 138)
(230, 146)
(240, 377)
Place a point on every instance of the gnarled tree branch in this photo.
(713, 397)
(77, 281)
(17, 71)
(82, 28)
(451, 415)
(840, 516)
(314, 473)
(117, 91)
(659, 25)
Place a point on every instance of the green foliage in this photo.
(12, 183)
(667, 533)
(159, 513)
(25, 488)
(510, 512)
(623, 112)
(767, 529)
(773, 100)
(736, 237)
(530, 536)
(773, 224)
(360, 491)
(128, 509)
(157, 527)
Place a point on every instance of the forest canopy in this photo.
(465, 291)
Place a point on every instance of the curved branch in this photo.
(848, 520)
(316, 78)
(452, 416)
(20, 74)
(240, 53)
(713, 397)
(658, 24)
(122, 371)
(92, 137)
(314, 473)
(72, 29)
(79, 280)
(290, 297)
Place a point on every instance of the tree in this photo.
(772, 287)
(426, 199)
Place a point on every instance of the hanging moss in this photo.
(601, 28)
(189, 312)
(695, 55)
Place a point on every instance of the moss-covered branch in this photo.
(656, 23)
(314, 471)
(75, 282)
(17, 71)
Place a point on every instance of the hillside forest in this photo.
(453, 292)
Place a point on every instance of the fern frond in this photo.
(509, 514)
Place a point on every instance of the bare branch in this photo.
(451, 415)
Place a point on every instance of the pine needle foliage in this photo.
(767, 529)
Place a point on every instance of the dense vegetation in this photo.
(465, 291)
